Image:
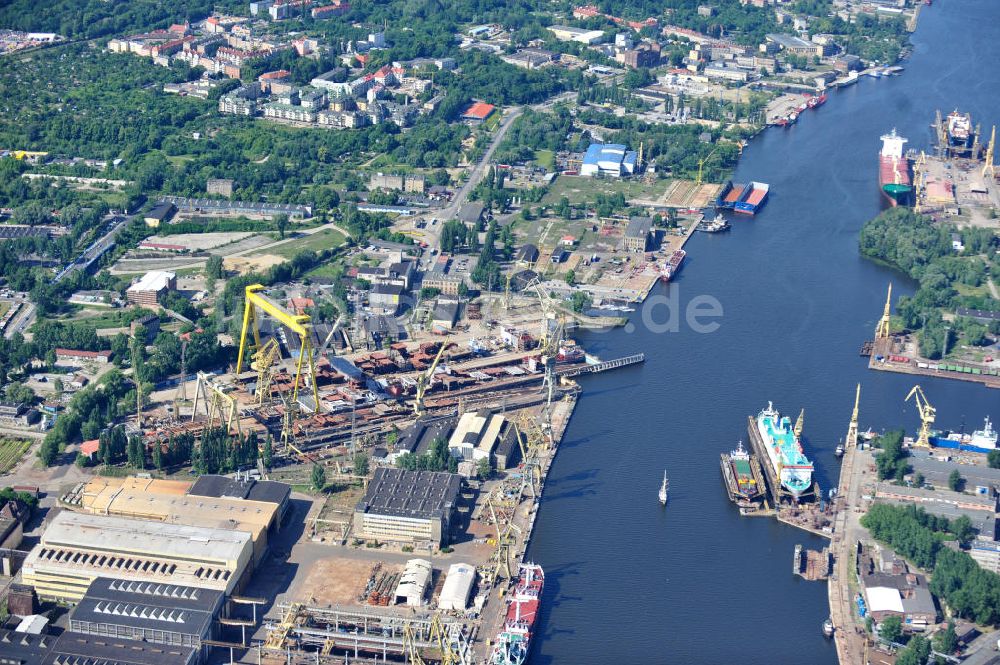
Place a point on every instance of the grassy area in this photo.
(11, 452)
(325, 239)
(4, 306)
(546, 159)
(579, 189)
(103, 319)
(493, 121)
(328, 270)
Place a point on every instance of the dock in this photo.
(753, 502)
(604, 366)
(812, 565)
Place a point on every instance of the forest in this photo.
(922, 250)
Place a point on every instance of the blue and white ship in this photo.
(980, 441)
(784, 451)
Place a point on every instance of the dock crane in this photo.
(852, 431)
(882, 329)
(424, 381)
(701, 165)
(218, 404)
(263, 363)
(988, 167)
(257, 304)
(927, 415)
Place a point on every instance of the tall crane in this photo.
(218, 404)
(701, 165)
(988, 166)
(927, 415)
(263, 363)
(852, 430)
(882, 329)
(424, 381)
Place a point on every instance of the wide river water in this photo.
(630, 582)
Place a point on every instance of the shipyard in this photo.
(358, 335)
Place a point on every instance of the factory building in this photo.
(476, 435)
(147, 612)
(76, 549)
(637, 234)
(249, 489)
(408, 506)
(71, 648)
(150, 287)
(168, 501)
(609, 159)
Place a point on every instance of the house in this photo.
(478, 112)
(64, 356)
(160, 213)
(527, 255)
(386, 298)
(531, 58)
(558, 256)
(380, 330)
(150, 287)
(637, 234)
(90, 448)
(568, 241)
(471, 214)
(445, 315)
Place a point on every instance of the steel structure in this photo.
(219, 404)
(882, 329)
(354, 631)
(263, 363)
(988, 166)
(927, 415)
(852, 431)
(257, 304)
(424, 381)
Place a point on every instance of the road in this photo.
(98, 247)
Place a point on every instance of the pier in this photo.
(604, 366)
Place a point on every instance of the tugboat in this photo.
(664, 490)
(839, 452)
(717, 225)
(828, 628)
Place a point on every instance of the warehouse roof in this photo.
(155, 280)
(250, 489)
(78, 649)
(169, 607)
(638, 227)
(605, 152)
(457, 587)
(417, 438)
(125, 536)
(415, 494)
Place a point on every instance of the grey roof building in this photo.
(147, 611)
(408, 506)
(471, 213)
(636, 238)
(249, 489)
(417, 438)
(72, 648)
(527, 254)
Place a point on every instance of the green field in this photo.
(325, 239)
(579, 190)
(11, 452)
(546, 159)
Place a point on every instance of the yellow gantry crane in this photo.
(219, 404)
(257, 304)
(424, 381)
(927, 415)
(882, 329)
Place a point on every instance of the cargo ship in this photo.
(745, 199)
(894, 170)
(717, 225)
(980, 441)
(788, 468)
(672, 265)
(523, 605)
(743, 477)
(816, 102)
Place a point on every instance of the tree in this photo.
(891, 628)
(213, 267)
(963, 530)
(136, 453)
(360, 464)
(993, 459)
(955, 481)
(946, 641)
(580, 301)
(267, 454)
(570, 277)
(318, 478)
(281, 223)
(18, 393)
(483, 468)
(918, 479)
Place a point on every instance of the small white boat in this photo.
(664, 490)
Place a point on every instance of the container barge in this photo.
(744, 478)
(523, 604)
(788, 470)
(745, 199)
(672, 265)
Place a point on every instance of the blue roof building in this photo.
(609, 159)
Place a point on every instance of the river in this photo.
(629, 582)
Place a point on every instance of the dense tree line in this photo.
(219, 452)
(534, 131)
(437, 458)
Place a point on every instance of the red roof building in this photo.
(478, 112)
(89, 448)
